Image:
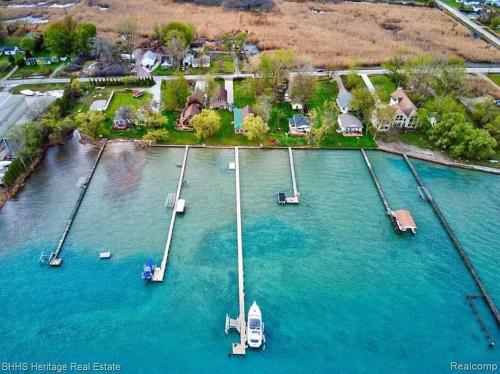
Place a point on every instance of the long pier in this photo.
(292, 172)
(239, 349)
(458, 245)
(377, 183)
(54, 259)
(159, 273)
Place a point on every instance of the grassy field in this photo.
(414, 138)
(495, 78)
(369, 32)
(383, 86)
(242, 95)
(325, 90)
(126, 99)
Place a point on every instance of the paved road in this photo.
(463, 18)
(374, 71)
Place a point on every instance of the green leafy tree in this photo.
(363, 103)
(90, 123)
(263, 107)
(28, 44)
(352, 78)
(255, 127)
(493, 129)
(83, 37)
(187, 30)
(394, 67)
(176, 45)
(175, 93)
(153, 120)
(274, 68)
(159, 136)
(58, 40)
(206, 124)
(304, 83)
(227, 39)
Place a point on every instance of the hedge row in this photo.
(125, 81)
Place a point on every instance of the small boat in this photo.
(148, 270)
(281, 198)
(255, 327)
(138, 93)
(104, 255)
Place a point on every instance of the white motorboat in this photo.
(255, 327)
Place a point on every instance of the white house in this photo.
(10, 51)
(406, 112)
(149, 59)
(299, 125)
(12, 109)
(349, 125)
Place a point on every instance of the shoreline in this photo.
(413, 152)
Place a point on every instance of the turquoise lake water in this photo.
(339, 290)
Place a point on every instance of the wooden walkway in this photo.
(295, 198)
(239, 349)
(458, 245)
(377, 183)
(54, 259)
(159, 273)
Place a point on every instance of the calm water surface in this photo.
(339, 290)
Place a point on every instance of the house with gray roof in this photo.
(349, 125)
(299, 125)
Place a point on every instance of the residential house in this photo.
(344, 98)
(250, 49)
(299, 124)
(149, 59)
(123, 119)
(193, 59)
(11, 50)
(349, 125)
(239, 116)
(186, 115)
(6, 149)
(406, 112)
(194, 106)
(219, 98)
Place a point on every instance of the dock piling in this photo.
(159, 273)
(458, 245)
(54, 259)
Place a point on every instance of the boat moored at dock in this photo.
(255, 327)
(148, 270)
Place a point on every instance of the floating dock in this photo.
(458, 245)
(54, 259)
(239, 324)
(159, 272)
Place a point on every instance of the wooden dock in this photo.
(159, 273)
(295, 198)
(240, 349)
(458, 245)
(377, 183)
(54, 259)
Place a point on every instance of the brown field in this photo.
(371, 33)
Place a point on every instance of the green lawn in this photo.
(357, 82)
(414, 138)
(326, 90)
(164, 71)
(34, 70)
(124, 99)
(222, 63)
(495, 78)
(43, 87)
(383, 86)
(244, 94)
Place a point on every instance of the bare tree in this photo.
(128, 31)
(176, 46)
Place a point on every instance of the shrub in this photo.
(21, 63)
(156, 136)
(13, 172)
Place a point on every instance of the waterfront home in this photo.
(197, 97)
(187, 114)
(124, 119)
(239, 116)
(299, 125)
(149, 59)
(218, 100)
(349, 125)
(405, 117)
